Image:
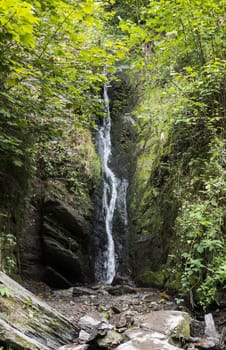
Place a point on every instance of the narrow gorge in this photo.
(112, 175)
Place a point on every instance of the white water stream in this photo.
(109, 198)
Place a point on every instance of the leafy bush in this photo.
(4, 291)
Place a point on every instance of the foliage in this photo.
(4, 291)
(7, 258)
(181, 162)
(71, 159)
(52, 59)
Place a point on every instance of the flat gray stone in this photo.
(146, 342)
(90, 321)
(136, 333)
(155, 330)
(85, 337)
(74, 347)
(171, 323)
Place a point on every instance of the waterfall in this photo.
(109, 196)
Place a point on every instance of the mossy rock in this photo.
(26, 322)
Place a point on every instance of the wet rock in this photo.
(212, 339)
(123, 280)
(25, 319)
(120, 320)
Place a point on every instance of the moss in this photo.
(154, 203)
(182, 332)
(174, 281)
(151, 278)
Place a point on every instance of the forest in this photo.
(166, 71)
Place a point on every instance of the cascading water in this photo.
(109, 198)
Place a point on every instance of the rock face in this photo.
(65, 233)
(55, 243)
(32, 252)
(26, 322)
(54, 247)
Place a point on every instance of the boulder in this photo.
(26, 319)
(92, 325)
(173, 324)
(157, 331)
